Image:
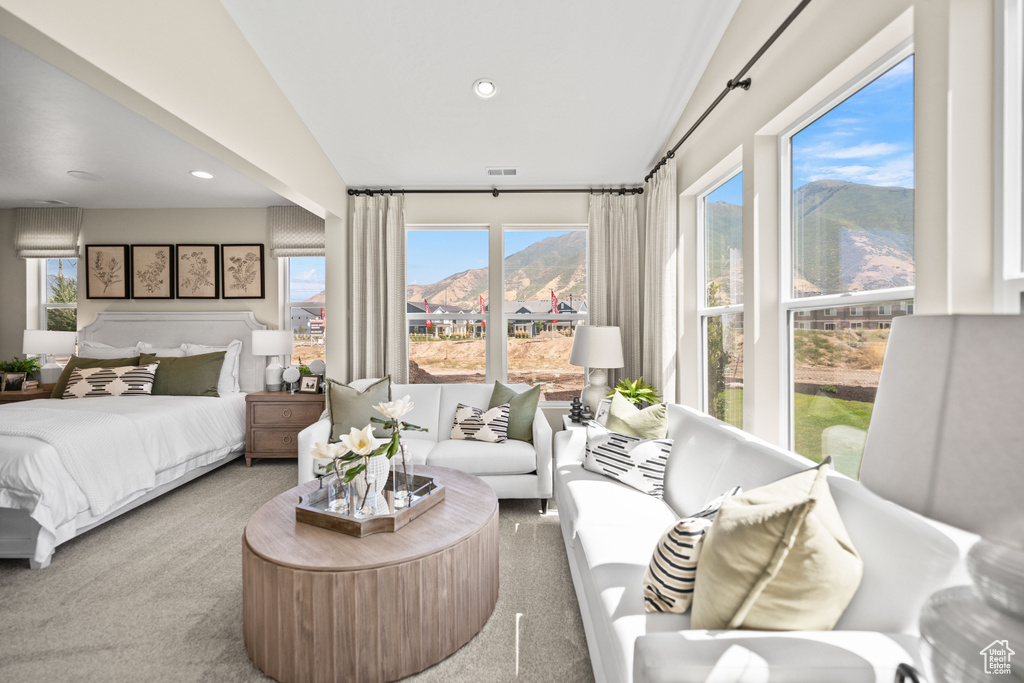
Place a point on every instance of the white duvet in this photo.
(177, 433)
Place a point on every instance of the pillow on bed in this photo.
(162, 351)
(92, 349)
(228, 382)
(189, 376)
(128, 380)
(79, 362)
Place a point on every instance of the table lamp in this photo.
(596, 347)
(49, 344)
(273, 343)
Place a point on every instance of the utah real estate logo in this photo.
(997, 657)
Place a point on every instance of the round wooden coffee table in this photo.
(319, 605)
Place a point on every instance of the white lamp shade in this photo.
(596, 346)
(272, 342)
(49, 342)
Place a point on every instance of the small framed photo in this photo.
(107, 267)
(241, 267)
(198, 271)
(152, 271)
(1, 381)
(309, 384)
(14, 381)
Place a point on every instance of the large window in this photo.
(540, 278)
(721, 284)
(307, 306)
(850, 266)
(59, 308)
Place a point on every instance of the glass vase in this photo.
(339, 494)
(401, 477)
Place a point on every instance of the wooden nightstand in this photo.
(273, 420)
(12, 396)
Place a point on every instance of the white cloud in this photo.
(864, 149)
(311, 276)
(895, 172)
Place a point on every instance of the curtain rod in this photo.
(495, 191)
(737, 82)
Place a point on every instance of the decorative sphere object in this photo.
(291, 374)
(318, 367)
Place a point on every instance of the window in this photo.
(850, 210)
(543, 290)
(307, 306)
(59, 308)
(721, 311)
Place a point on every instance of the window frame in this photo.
(1008, 150)
(44, 292)
(788, 303)
(704, 312)
(285, 273)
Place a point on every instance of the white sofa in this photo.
(610, 531)
(514, 469)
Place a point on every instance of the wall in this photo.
(829, 44)
(12, 286)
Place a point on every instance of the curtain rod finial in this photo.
(494, 192)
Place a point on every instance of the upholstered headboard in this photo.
(213, 328)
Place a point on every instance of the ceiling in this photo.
(588, 94)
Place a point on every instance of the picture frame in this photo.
(198, 271)
(309, 384)
(152, 271)
(241, 271)
(107, 268)
(2, 381)
(14, 381)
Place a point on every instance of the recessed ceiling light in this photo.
(202, 174)
(51, 202)
(485, 88)
(84, 175)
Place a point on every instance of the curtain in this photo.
(377, 332)
(660, 282)
(614, 275)
(295, 232)
(47, 233)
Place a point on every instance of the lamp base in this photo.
(274, 377)
(50, 373)
(596, 389)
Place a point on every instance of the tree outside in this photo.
(63, 290)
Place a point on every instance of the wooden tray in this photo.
(312, 509)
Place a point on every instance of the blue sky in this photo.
(433, 255)
(730, 191)
(306, 277)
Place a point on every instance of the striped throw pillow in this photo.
(476, 424)
(123, 381)
(634, 461)
(668, 583)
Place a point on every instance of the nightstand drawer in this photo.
(275, 440)
(286, 413)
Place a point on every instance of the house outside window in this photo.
(306, 309)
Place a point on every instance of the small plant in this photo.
(637, 392)
(829, 389)
(304, 370)
(28, 365)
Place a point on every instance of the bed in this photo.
(168, 440)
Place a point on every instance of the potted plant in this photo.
(30, 366)
(637, 392)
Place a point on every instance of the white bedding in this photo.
(175, 431)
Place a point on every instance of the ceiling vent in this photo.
(496, 171)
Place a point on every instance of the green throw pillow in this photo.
(524, 407)
(626, 418)
(353, 407)
(187, 375)
(77, 362)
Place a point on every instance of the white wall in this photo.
(12, 290)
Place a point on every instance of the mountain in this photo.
(557, 263)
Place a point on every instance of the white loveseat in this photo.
(514, 469)
(611, 530)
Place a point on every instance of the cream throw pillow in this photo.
(626, 418)
(777, 558)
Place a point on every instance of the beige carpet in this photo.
(156, 595)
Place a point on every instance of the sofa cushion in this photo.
(777, 558)
(350, 407)
(633, 460)
(454, 394)
(419, 449)
(523, 408)
(477, 424)
(425, 398)
(626, 418)
(477, 457)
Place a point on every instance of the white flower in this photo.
(361, 441)
(395, 410)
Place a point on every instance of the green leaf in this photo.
(353, 472)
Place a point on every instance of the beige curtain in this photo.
(294, 231)
(377, 332)
(614, 275)
(660, 282)
(47, 233)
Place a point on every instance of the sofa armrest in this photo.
(542, 444)
(570, 446)
(318, 432)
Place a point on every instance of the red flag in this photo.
(554, 305)
(484, 322)
(426, 309)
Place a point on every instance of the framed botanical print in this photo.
(152, 271)
(241, 267)
(198, 271)
(107, 269)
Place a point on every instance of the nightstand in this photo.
(39, 392)
(273, 420)
(569, 424)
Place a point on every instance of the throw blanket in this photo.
(102, 452)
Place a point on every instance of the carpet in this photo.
(156, 595)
